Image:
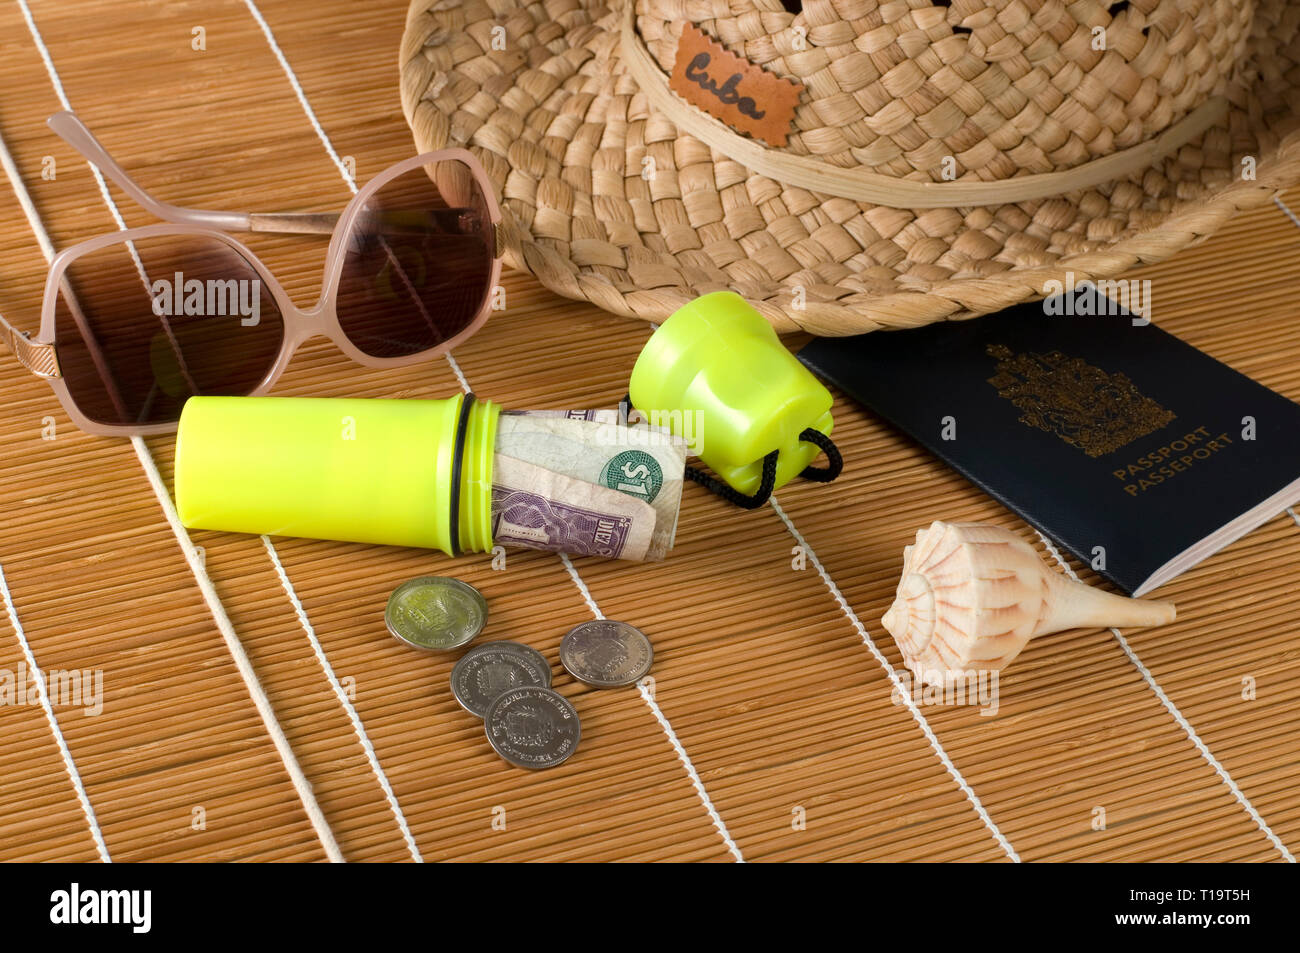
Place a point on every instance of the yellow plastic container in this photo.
(719, 359)
(367, 471)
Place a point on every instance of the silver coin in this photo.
(487, 670)
(526, 650)
(606, 654)
(533, 727)
(436, 612)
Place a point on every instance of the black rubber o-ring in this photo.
(458, 453)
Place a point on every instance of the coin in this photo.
(487, 670)
(532, 727)
(519, 648)
(606, 654)
(435, 612)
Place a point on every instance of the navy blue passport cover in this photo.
(1098, 432)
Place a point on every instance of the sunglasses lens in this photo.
(145, 324)
(418, 266)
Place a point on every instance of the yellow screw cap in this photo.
(716, 372)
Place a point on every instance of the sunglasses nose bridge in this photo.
(302, 326)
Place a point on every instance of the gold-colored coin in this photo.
(436, 613)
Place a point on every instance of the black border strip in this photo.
(458, 454)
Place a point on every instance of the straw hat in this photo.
(914, 161)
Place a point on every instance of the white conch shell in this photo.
(972, 595)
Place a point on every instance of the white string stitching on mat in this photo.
(899, 689)
(346, 702)
(69, 765)
(302, 96)
(582, 585)
(1277, 200)
(237, 652)
(644, 688)
(320, 134)
(647, 695)
(357, 725)
(464, 384)
(42, 239)
(862, 631)
(1178, 717)
(260, 700)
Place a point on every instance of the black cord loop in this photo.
(834, 459)
(732, 495)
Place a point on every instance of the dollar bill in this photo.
(595, 416)
(638, 419)
(643, 465)
(541, 509)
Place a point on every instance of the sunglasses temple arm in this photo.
(73, 131)
(38, 358)
(293, 223)
(323, 223)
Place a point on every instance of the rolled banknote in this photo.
(646, 465)
(636, 419)
(596, 416)
(541, 509)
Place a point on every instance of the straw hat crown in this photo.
(1003, 88)
(939, 160)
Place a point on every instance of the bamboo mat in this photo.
(771, 733)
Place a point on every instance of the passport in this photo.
(1135, 451)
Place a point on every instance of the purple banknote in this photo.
(521, 518)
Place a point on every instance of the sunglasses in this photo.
(135, 323)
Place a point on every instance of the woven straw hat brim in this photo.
(567, 135)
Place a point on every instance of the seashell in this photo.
(972, 595)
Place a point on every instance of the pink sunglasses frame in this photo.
(40, 355)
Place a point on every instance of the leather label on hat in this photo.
(734, 90)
